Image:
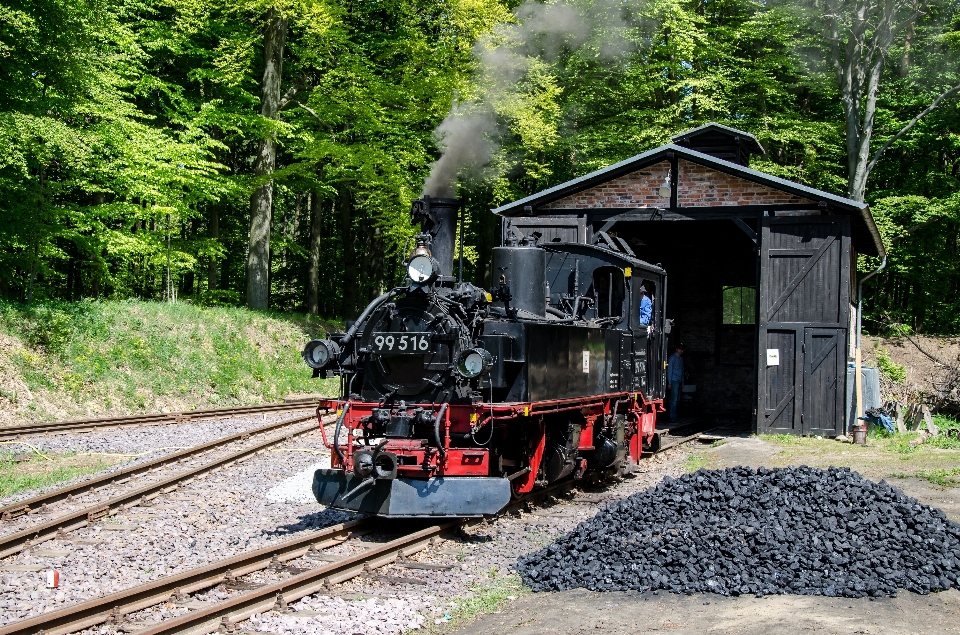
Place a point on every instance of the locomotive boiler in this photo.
(454, 398)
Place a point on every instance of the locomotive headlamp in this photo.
(473, 362)
(319, 353)
(422, 268)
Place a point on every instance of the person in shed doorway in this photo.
(646, 306)
(675, 379)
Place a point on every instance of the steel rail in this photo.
(16, 542)
(19, 508)
(100, 610)
(278, 594)
(114, 606)
(81, 425)
(672, 443)
(301, 585)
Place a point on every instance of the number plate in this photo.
(400, 343)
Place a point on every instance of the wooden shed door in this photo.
(823, 381)
(803, 310)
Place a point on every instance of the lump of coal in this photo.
(736, 531)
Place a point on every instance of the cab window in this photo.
(609, 285)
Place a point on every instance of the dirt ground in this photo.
(924, 376)
(580, 611)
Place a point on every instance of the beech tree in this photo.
(261, 201)
(286, 138)
(860, 35)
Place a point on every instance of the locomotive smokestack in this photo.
(438, 217)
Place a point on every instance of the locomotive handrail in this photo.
(509, 410)
(323, 432)
(336, 433)
(352, 331)
(436, 431)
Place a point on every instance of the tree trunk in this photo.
(313, 267)
(907, 44)
(375, 263)
(215, 235)
(858, 51)
(33, 271)
(350, 281)
(71, 270)
(261, 201)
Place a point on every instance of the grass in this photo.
(940, 476)
(884, 456)
(61, 359)
(19, 475)
(695, 462)
(484, 598)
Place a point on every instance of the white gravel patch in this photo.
(299, 487)
(335, 616)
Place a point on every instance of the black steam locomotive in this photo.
(455, 398)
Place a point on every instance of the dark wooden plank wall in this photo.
(803, 313)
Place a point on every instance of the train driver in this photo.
(646, 306)
(675, 379)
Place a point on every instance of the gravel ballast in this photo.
(736, 531)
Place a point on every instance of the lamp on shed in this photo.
(665, 189)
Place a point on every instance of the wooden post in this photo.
(859, 382)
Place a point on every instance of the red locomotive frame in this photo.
(419, 460)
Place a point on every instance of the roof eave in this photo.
(655, 155)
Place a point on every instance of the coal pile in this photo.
(738, 531)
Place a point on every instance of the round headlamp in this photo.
(474, 362)
(319, 353)
(422, 268)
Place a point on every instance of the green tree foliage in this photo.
(130, 123)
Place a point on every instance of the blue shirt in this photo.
(675, 369)
(646, 310)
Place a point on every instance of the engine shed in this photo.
(761, 271)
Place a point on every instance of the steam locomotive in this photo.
(454, 399)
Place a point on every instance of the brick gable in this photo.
(698, 186)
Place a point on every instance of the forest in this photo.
(264, 153)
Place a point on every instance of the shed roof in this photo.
(866, 234)
(748, 140)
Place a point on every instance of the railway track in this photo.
(76, 518)
(112, 608)
(14, 510)
(134, 421)
(224, 615)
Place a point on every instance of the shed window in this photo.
(739, 305)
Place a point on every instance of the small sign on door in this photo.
(773, 357)
(586, 362)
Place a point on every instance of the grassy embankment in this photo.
(73, 360)
(937, 460)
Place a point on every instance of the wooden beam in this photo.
(752, 235)
(598, 214)
(782, 253)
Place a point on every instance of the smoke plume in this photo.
(469, 133)
(465, 137)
